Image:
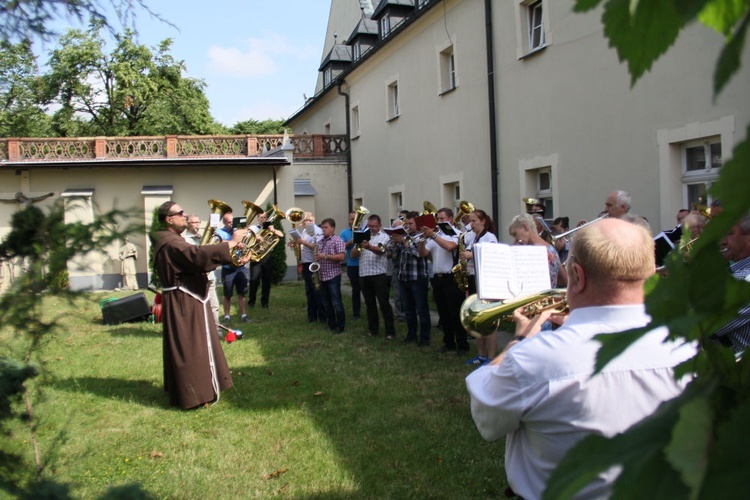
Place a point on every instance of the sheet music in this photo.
(504, 271)
(294, 234)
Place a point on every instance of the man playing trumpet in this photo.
(540, 391)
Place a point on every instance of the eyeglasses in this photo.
(180, 213)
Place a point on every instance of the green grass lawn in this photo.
(311, 414)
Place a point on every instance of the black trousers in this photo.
(448, 299)
(260, 276)
(375, 290)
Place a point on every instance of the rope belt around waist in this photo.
(209, 342)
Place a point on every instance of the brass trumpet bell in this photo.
(295, 215)
(359, 216)
(530, 202)
(217, 207)
(481, 318)
(429, 208)
(701, 209)
(464, 208)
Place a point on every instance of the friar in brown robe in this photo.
(195, 369)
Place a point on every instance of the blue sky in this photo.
(257, 57)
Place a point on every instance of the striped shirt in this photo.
(411, 265)
(371, 263)
(736, 333)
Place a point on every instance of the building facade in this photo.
(491, 102)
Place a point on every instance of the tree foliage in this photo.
(44, 243)
(21, 110)
(694, 446)
(255, 127)
(130, 91)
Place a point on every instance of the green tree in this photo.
(25, 19)
(694, 446)
(130, 91)
(21, 96)
(255, 127)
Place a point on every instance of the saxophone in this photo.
(460, 271)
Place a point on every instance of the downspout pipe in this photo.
(494, 172)
(348, 146)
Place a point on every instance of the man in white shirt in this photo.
(540, 392)
(440, 247)
(373, 268)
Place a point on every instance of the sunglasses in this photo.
(180, 213)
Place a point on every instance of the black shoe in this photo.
(408, 340)
(423, 343)
(336, 331)
(461, 351)
(264, 306)
(447, 348)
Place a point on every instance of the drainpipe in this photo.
(494, 173)
(348, 146)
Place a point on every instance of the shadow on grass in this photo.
(144, 329)
(141, 392)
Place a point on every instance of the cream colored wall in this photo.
(330, 110)
(436, 138)
(121, 188)
(572, 104)
(329, 180)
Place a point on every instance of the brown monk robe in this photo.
(195, 369)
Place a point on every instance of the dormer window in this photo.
(385, 26)
(357, 50)
(327, 76)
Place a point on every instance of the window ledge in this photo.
(447, 91)
(392, 118)
(533, 52)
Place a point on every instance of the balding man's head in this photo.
(614, 251)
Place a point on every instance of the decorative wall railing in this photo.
(30, 150)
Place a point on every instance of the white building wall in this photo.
(573, 101)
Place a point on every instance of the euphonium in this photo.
(429, 208)
(296, 215)
(464, 208)
(268, 237)
(359, 215)
(217, 207)
(251, 212)
(481, 318)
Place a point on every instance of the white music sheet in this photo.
(504, 271)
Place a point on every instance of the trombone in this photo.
(566, 234)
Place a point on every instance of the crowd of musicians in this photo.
(538, 390)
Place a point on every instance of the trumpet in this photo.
(217, 207)
(481, 318)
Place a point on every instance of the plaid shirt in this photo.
(736, 333)
(329, 269)
(371, 263)
(411, 265)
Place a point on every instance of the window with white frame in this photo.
(357, 51)
(447, 70)
(327, 76)
(701, 163)
(532, 29)
(355, 121)
(421, 3)
(392, 101)
(385, 26)
(536, 25)
(544, 189)
(397, 204)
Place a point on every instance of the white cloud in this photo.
(256, 57)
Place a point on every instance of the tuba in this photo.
(251, 212)
(268, 237)
(481, 318)
(220, 208)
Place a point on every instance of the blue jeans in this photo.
(330, 295)
(414, 297)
